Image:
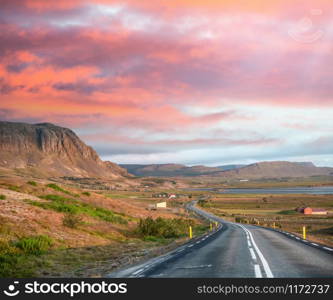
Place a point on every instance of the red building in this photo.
(311, 211)
(307, 211)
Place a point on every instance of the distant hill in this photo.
(275, 169)
(168, 170)
(51, 150)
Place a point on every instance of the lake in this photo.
(321, 190)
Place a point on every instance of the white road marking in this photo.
(305, 241)
(297, 238)
(137, 272)
(257, 271)
(252, 254)
(329, 249)
(190, 246)
(314, 244)
(248, 243)
(264, 262)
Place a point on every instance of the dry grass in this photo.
(88, 244)
(278, 210)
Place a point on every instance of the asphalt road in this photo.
(241, 251)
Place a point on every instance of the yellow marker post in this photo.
(211, 226)
(274, 225)
(304, 233)
(190, 232)
(216, 224)
(257, 222)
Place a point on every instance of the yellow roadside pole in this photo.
(211, 226)
(190, 232)
(304, 233)
(258, 222)
(274, 225)
(216, 224)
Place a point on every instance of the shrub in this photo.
(10, 260)
(163, 228)
(14, 188)
(16, 257)
(35, 245)
(287, 212)
(57, 188)
(71, 220)
(86, 194)
(203, 203)
(2, 197)
(33, 183)
(240, 220)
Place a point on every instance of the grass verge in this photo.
(16, 256)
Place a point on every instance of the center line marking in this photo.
(252, 254)
(264, 262)
(314, 244)
(257, 271)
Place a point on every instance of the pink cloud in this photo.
(140, 68)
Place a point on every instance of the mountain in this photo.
(51, 150)
(168, 170)
(275, 169)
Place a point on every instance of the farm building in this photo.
(312, 211)
(160, 195)
(157, 206)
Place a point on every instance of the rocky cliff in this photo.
(52, 150)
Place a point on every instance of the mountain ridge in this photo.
(53, 150)
(272, 169)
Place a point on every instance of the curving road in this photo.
(237, 250)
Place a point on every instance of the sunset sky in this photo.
(174, 81)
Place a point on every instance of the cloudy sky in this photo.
(185, 81)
